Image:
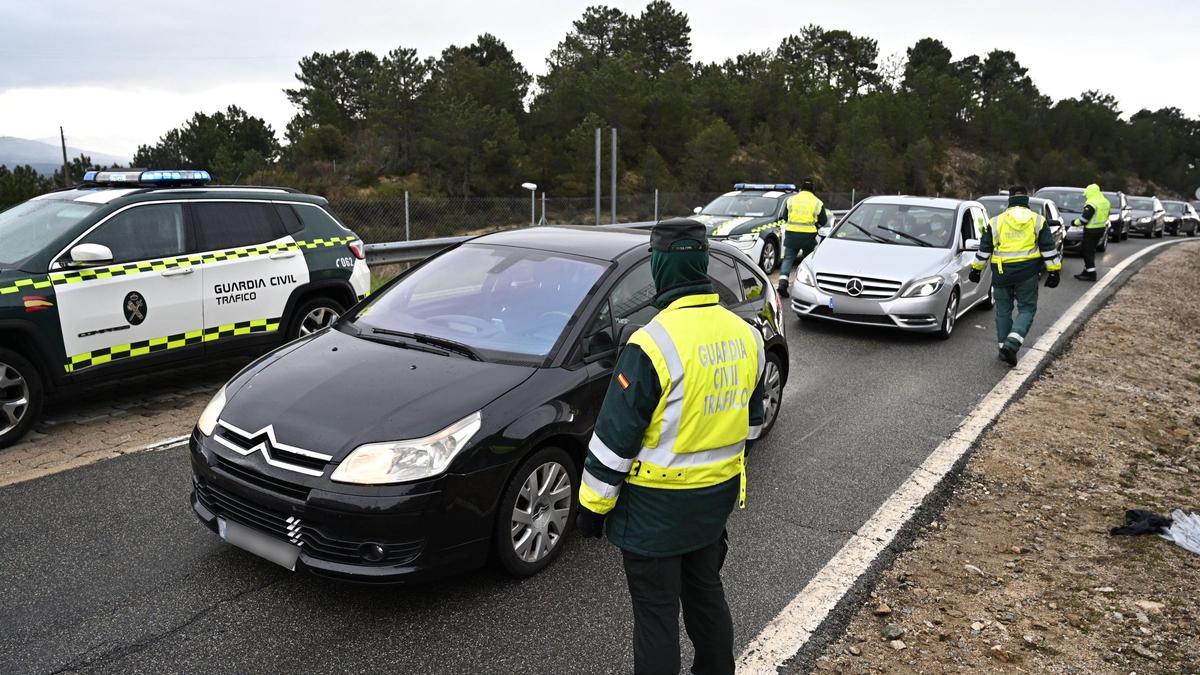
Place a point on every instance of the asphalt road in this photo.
(104, 568)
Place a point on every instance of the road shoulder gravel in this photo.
(1018, 573)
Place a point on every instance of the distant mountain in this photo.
(46, 158)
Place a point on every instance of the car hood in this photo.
(884, 261)
(724, 226)
(334, 392)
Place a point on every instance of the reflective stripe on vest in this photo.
(1102, 208)
(803, 210)
(1013, 240)
(708, 361)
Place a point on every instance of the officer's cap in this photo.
(679, 234)
(1018, 190)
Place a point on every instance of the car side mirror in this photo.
(697, 210)
(90, 255)
(1056, 222)
(627, 332)
(971, 245)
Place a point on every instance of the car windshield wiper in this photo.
(905, 235)
(862, 229)
(433, 341)
(387, 337)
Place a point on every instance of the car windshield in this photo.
(994, 205)
(1141, 203)
(29, 227)
(741, 205)
(1066, 200)
(1114, 199)
(1175, 208)
(504, 303)
(903, 224)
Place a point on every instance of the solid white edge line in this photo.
(164, 444)
(790, 630)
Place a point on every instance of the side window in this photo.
(601, 336)
(725, 277)
(752, 285)
(316, 218)
(632, 299)
(287, 215)
(143, 233)
(233, 224)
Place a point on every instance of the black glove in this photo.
(590, 523)
(975, 275)
(1052, 280)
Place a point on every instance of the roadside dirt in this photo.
(1019, 573)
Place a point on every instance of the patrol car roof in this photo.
(106, 195)
(606, 243)
(933, 202)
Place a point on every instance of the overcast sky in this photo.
(118, 74)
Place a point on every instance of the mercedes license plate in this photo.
(831, 303)
(261, 545)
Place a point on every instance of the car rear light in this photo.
(358, 249)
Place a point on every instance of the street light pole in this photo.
(532, 187)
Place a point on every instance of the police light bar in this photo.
(764, 186)
(153, 177)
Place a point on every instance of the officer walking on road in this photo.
(1018, 244)
(1093, 219)
(806, 213)
(667, 461)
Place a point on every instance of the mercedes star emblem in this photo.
(854, 287)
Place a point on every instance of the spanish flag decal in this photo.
(36, 303)
(622, 380)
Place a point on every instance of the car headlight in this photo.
(399, 461)
(1144, 220)
(208, 417)
(1114, 218)
(804, 276)
(749, 236)
(924, 288)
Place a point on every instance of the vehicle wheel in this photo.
(313, 316)
(1125, 233)
(990, 301)
(772, 392)
(1192, 232)
(1159, 234)
(1103, 245)
(770, 255)
(949, 317)
(536, 511)
(21, 394)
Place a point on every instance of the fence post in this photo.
(852, 195)
(614, 175)
(597, 175)
(407, 232)
(656, 205)
(543, 220)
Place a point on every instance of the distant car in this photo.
(1149, 216)
(997, 204)
(1181, 217)
(1070, 202)
(444, 423)
(1120, 219)
(751, 218)
(899, 262)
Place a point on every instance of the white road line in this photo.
(164, 444)
(788, 632)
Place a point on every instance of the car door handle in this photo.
(283, 254)
(178, 272)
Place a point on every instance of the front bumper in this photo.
(422, 528)
(913, 314)
(1143, 228)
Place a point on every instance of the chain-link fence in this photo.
(415, 217)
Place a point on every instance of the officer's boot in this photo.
(783, 288)
(1087, 275)
(1008, 354)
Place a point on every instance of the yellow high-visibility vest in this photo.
(803, 210)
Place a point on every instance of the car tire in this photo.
(769, 260)
(542, 487)
(1192, 232)
(990, 301)
(21, 395)
(1159, 234)
(772, 392)
(314, 315)
(949, 317)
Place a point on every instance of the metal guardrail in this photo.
(408, 251)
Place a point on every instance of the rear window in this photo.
(1066, 200)
(291, 221)
(316, 218)
(235, 224)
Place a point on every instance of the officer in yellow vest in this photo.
(806, 214)
(1018, 245)
(666, 463)
(1093, 219)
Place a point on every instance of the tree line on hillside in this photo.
(474, 122)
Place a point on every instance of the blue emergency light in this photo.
(764, 186)
(157, 177)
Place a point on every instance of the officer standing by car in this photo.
(806, 213)
(1094, 219)
(667, 461)
(1018, 244)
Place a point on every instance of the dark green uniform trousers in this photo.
(796, 247)
(1025, 294)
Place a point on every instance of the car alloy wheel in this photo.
(318, 318)
(770, 256)
(14, 398)
(772, 392)
(540, 514)
(950, 316)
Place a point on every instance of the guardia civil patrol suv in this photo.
(751, 217)
(132, 270)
